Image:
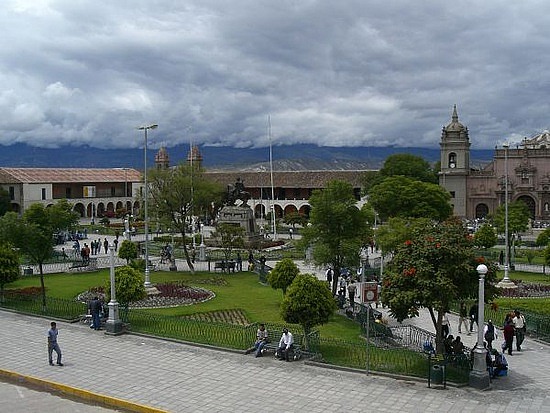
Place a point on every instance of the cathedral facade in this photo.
(475, 193)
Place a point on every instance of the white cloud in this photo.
(359, 72)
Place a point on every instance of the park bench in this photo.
(224, 266)
(273, 337)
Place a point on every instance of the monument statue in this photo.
(236, 192)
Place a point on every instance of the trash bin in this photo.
(27, 271)
(436, 374)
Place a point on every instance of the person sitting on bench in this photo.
(285, 345)
(261, 340)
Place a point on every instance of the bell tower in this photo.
(455, 162)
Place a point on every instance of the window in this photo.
(43, 193)
(452, 194)
(68, 192)
(452, 160)
(113, 191)
(12, 193)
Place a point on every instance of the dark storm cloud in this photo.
(333, 73)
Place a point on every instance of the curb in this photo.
(76, 393)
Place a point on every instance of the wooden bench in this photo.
(273, 338)
(224, 266)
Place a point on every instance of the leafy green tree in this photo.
(485, 237)
(518, 221)
(392, 234)
(402, 164)
(337, 228)
(128, 250)
(282, 275)
(33, 233)
(9, 266)
(230, 237)
(295, 218)
(5, 201)
(543, 239)
(180, 193)
(308, 302)
(128, 286)
(433, 269)
(399, 196)
(410, 166)
(546, 255)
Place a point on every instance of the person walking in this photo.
(489, 334)
(52, 344)
(463, 316)
(508, 332)
(520, 328)
(473, 316)
(94, 307)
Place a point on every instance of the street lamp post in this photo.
(506, 282)
(202, 247)
(479, 377)
(146, 216)
(114, 324)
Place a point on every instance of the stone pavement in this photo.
(176, 377)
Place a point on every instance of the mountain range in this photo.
(285, 157)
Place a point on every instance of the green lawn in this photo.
(260, 303)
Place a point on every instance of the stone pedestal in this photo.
(242, 216)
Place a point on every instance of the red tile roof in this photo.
(68, 175)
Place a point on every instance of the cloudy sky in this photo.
(335, 73)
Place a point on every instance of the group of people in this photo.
(284, 348)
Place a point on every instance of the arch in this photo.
(100, 209)
(305, 210)
(278, 211)
(482, 210)
(129, 206)
(79, 207)
(90, 210)
(135, 209)
(289, 209)
(451, 160)
(259, 211)
(530, 202)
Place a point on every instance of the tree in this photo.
(400, 196)
(409, 165)
(282, 275)
(128, 286)
(9, 266)
(543, 239)
(392, 234)
(336, 228)
(518, 221)
(433, 269)
(308, 302)
(128, 250)
(485, 237)
(230, 236)
(402, 164)
(295, 218)
(180, 193)
(33, 233)
(5, 201)
(546, 254)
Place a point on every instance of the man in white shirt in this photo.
(519, 326)
(285, 345)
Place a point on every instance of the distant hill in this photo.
(289, 157)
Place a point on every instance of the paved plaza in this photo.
(177, 377)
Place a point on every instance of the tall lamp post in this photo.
(506, 282)
(479, 377)
(146, 216)
(114, 324)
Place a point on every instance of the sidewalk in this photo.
(175, 377)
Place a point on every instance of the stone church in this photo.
(478, 192)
